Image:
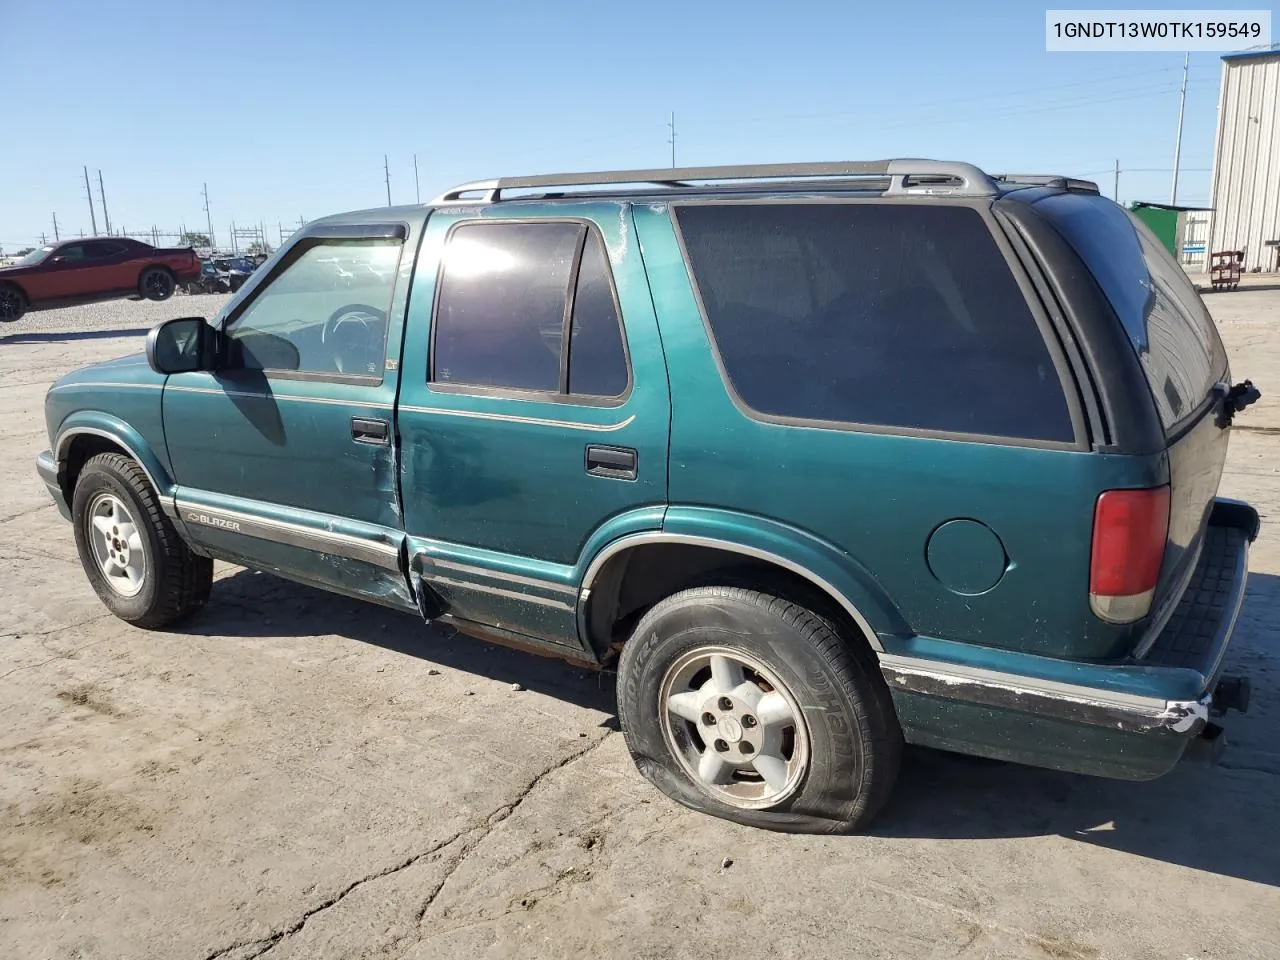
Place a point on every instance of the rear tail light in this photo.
(1129, 532)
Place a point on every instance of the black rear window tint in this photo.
(893, 315)
(1167, 323)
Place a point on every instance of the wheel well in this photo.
(634, 580)
(83, 448)
(16, 286)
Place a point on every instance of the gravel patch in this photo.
(123, 317)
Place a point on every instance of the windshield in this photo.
(35, 256)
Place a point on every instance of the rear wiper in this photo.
(1235, 399)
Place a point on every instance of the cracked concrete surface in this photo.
(295, 775)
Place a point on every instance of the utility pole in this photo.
(56, 238)
(103, 194)
(1177, 150)
(672, 126)
(93, 218)
(417, 194)
(1115, 193)
(208, 217)
(44, 240)
(386, 169)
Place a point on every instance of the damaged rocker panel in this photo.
(380, 553)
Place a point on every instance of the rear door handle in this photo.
(618, 463)
(370, 431)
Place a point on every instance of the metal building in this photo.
(1246, 160)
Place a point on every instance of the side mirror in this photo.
(182, 346)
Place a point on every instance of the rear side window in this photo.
(508, 292)
(1167, 323)
(889, 315)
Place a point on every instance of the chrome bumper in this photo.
(1087, 705)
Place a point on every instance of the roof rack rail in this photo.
(953, 178)
(1072, 184)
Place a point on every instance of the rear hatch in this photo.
(1182, 357)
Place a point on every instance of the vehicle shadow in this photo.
(1214, 818)
(280, 607)
(1217, 819)
(70, 336)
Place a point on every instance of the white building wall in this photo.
(1246, 167)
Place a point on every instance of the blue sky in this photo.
(286, 107)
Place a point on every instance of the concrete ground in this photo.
(298, 775)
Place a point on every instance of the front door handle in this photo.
(618, 463)
(365, 430)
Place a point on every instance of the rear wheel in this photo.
(136, 562)
(13, 303)
(751, 708)
(156, 283)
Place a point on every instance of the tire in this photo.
(172, 583)
(845, 741)
(156, 283)
(13, 303)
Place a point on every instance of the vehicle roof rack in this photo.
(1072, 184)
(952, 178)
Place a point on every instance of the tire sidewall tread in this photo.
(856, 742)
(177, 581)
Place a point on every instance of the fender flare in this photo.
(112, 428)
(833, 571)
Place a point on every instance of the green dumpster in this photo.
(1168, 223)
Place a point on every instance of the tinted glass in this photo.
(75, 252)
(325, 313)
(597, 361)
(500, 314)
(897, 315)
(102, 249)
(1166, 320)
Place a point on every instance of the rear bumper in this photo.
(49, 470)
(1147, 708)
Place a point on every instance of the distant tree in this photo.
(258, 247)
(24, 251)
(189, 239)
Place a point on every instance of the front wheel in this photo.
(136, 562)
(156, 283)
(749, 707)
(12, 303)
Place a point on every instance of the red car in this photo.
(102, 268)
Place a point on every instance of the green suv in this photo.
(822, 458)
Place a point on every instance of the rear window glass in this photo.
(1167, 323)
(892, 315)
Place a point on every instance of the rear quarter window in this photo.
(889, 316)
(1166, 321)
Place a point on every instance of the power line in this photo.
(1001, 95)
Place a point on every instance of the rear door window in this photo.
(508, 292)
(889, 316)
(1167, 323)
